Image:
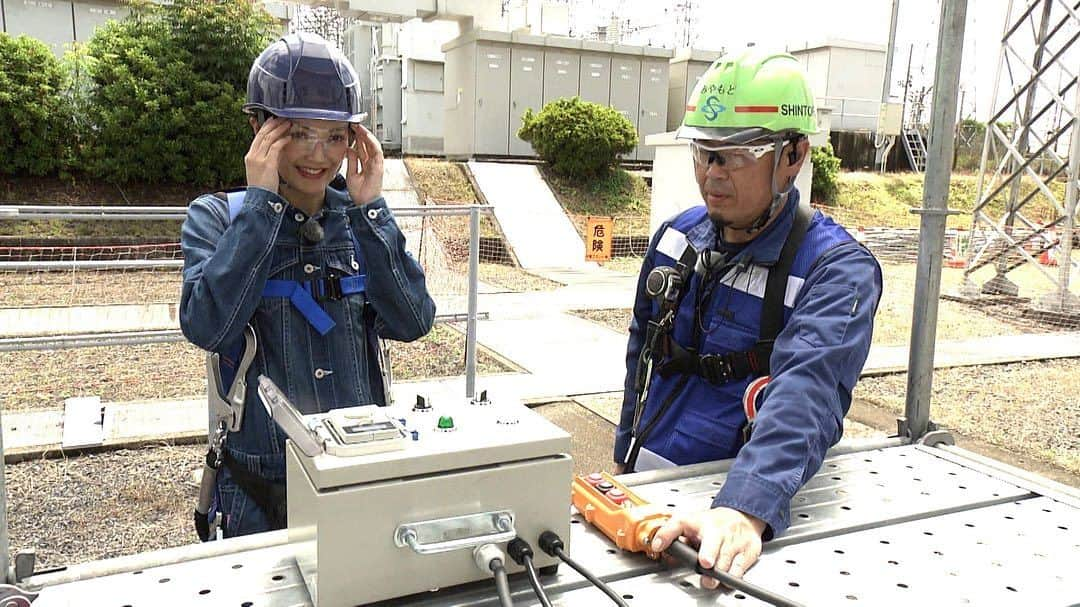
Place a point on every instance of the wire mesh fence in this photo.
(97, 275)
(1035, 309)
(42, 279)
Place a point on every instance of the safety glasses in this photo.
(728, 157)
(307, 138)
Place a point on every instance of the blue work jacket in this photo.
(831, 298)
(227, 263)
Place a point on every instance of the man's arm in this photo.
(226, 265)
(395, 282)
(816, 361)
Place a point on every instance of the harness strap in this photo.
(720, 369)
(268, 496)
(305, 295)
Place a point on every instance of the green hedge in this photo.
(167, 86)
(826, 179)
(578, 139)
(35, 118)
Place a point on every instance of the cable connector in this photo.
(551, 543)
(519, 550)
(488, 557)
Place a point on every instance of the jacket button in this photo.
(373, 213)
(299, 217)
(321, 373)
(309, 268)
(276, 206)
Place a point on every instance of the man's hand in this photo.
(727, 539)
(365, 171)
(261, 161)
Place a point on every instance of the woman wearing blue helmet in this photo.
(311, 272)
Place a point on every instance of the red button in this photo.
(616, 496)
(594, 479)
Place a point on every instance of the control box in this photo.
(384, 502)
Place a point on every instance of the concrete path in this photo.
(536, 228)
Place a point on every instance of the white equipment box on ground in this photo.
(425, 486)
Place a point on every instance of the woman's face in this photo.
(314, 154)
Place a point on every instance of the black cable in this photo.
(502, 584)
(522, 553)
(553, 545)
(685, 553)
(538, 588)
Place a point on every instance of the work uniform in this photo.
(829, 304)
(316, 342)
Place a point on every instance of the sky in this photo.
(779, 24)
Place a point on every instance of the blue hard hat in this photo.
(304, 76)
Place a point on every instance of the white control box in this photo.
(438, 478)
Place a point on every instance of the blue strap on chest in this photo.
(306, 295)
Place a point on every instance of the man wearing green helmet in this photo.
(753, 316)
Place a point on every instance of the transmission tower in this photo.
(1032, 146)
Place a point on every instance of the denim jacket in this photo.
(226, 266)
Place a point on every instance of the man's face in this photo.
(735, 181)
(311, 159)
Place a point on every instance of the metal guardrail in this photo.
(144, 213)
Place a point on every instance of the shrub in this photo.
(168, 84)
(578, 139)
(825, 182)
(35, 118)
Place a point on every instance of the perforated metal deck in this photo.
(885, 527)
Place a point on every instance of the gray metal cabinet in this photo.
(684, 71)
(560, 74)
(89, 17)
(594, 82)
(47, 20)
(388, 103)
(492, 120)
(626, 86)
(526, 92)
(652, 102)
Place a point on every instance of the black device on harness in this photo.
(721, 368)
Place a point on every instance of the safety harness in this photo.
(228, 387)
(720, 369)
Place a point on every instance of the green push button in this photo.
(446, 423)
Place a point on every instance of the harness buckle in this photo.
(327, 289)
(716, 368)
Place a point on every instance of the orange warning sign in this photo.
(598, 238)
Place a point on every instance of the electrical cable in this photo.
(553, 545)
(686, 553)
(522, 553)
(502, 584)
(489, 559)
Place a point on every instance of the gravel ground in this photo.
(1027, 408)
(103, 505)
(124, 502)
(42, 380)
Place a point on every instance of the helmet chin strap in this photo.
(778, 198)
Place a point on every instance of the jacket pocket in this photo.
(700, 438)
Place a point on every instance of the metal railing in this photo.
(143, 213)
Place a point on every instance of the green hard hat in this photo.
(753, 95)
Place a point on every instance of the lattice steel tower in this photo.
(1023, 216)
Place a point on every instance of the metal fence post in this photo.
(474, 280)
(933, 218)
(6, 573)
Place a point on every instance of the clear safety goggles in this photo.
(306, 139)
(728, 157)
